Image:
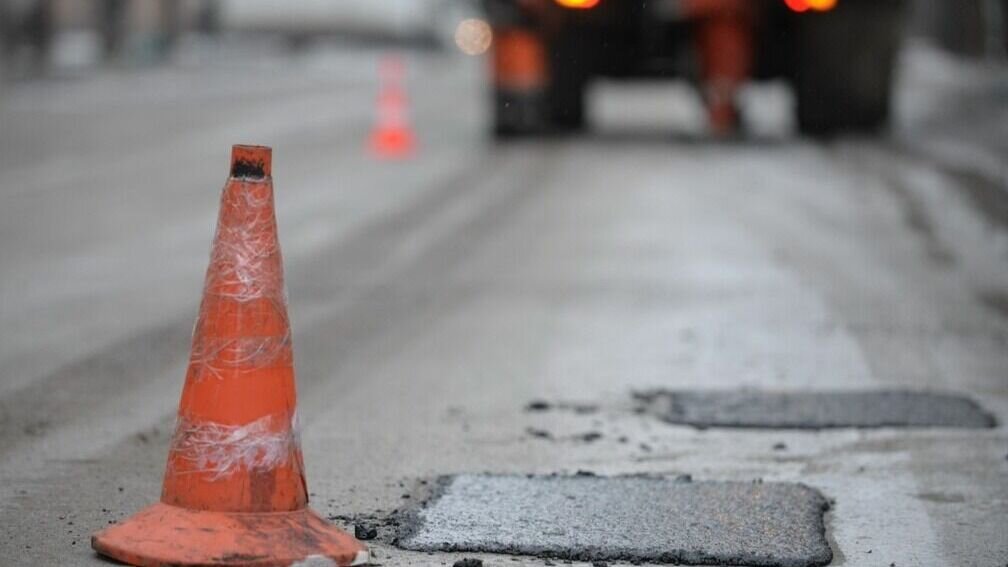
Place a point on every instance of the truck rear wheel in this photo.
(568, 77)
(844, 67)
(519, 113)
(539, 84)
(556, 109)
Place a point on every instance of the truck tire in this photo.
(844, 64)
(519, 113)
(556, 106)
(567, 106)
(556, 110)
(568, 77)
(520, 82)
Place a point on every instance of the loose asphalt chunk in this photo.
(624, 518)
(814, 410)
(365, 532)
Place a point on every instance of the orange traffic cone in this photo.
(392, 136)
(234, 488)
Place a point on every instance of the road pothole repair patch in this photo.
(624, 518)
(813, 410)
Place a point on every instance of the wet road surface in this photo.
(433, 299)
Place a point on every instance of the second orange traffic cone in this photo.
(234, 488)
(392, 136)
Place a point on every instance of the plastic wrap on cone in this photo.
(234, 489)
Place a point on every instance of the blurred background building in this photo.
(41, 36)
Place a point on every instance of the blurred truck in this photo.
(838, 55)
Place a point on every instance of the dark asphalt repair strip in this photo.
(813, 410)
(623, 518)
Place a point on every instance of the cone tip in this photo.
(251, 161)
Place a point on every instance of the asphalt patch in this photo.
(624, 518)
(814, 410)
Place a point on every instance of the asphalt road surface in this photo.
(435, 297)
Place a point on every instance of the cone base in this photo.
(164, 535)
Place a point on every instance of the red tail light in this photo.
(806, 5)
(578, 4)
